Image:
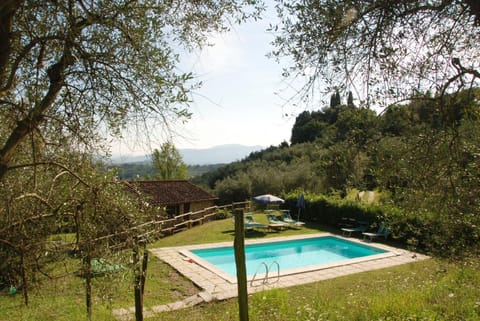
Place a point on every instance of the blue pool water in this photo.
(300, 253)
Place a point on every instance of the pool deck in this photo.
(220, 289)
(214, 286)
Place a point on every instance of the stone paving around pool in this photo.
(215, 287)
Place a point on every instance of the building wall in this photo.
(197, 206)
(179, 209)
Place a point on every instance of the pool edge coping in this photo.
(193, 258)
(220, 289)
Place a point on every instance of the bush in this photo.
(332, 210)
(440, 234)
(222, 214)
(436, 233)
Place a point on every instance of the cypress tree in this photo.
(350, 99)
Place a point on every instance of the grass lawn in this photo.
(428, 290)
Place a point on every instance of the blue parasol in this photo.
(300, 205)
(301, 201)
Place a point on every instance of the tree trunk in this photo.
(8, 8)
(56, 74)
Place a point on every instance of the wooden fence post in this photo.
(137, 286)
(144, 267)
(239, 247)
(87, 270)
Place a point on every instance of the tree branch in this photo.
(8, 8)
(34, 195)
(29, 219)
(54, 164)
(26, 49)
(461, 72)
(56, 75)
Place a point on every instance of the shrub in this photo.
(222, 214)
(436, 233)
(440, 234)
(331, 210)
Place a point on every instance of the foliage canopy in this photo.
(168, 163)
(422, 157)
(71, 73)
(382, 50)
(77, 67)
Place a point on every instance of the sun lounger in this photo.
(382, 232)
(361, 227)
(287, 218)
(275, 223)
(348, 222)
(250, 223)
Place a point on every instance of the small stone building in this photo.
(176, 196)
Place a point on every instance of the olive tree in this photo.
(397, 54)
(79, 199)
(71, 72)
(76, 67)
(382, 50)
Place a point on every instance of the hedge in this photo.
(435, 233)
(332, 210)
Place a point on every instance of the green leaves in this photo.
(168, 163)
(376, 46)
(89, 69)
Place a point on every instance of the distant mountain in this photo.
(222, 154)
(130, 159)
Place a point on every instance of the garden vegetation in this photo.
(73, 72)
(422, 159)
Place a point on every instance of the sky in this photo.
(243, 96)
(238, 102)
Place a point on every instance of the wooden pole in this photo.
(88, 283)
(24, 277)
(239, 247)
(137, 286)
(144, 267)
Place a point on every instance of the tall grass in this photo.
(427, 290)
(61, 296)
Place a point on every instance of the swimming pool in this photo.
(292, 256)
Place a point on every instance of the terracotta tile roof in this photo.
(170, 192)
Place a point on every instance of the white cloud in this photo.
(224, 53)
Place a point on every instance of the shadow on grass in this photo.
(248, 233)
(292, 230)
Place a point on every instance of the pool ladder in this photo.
(265, 279)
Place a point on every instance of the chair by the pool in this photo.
(275, 223)
(360, 228)
(250, 223)
(382, 232)
(287, 218)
